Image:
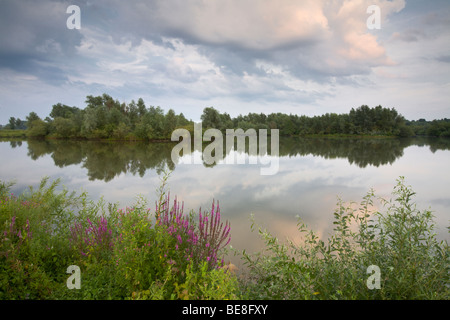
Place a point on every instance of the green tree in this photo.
(36, 126)
(121, 131)
(434, 129)
(133, 114)
(63, 111)
(64, 128)
(155, 120)
(12, 123)
(170, 123)
(182, 121)
(211, 118)
(20, 124)
(32, 117)
(142, 129)
(89, 122)
(405, 131)
(225, 121)
(94, 102)
(142, 109)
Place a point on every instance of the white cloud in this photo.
(304, 57)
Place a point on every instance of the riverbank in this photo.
(9, 134)
(5, 134)
(165, 253)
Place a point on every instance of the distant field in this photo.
(12, 133)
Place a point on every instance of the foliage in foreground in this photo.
(399, 241)
(131, 253)
(122, 253)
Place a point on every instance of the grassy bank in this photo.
(164, 253)
(6, 134)
(349, 136)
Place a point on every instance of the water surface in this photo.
(313, 172)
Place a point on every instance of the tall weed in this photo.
(400, 241)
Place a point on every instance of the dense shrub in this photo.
(122, 253)
(400, 242)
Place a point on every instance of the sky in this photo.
(305, 57)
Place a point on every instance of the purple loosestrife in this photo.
(213, 234)
(95, 235)
(16, 235)
(178, 225)
(168, 216)
(202, 243)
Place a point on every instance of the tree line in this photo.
(435, 128)
(107, 118)
(361, 121)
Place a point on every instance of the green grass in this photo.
(5, 133)
(351, 136)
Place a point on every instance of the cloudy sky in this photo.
(293, 56)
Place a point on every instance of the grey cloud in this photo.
(234, 38)
(445, 59)
(409, 35)
(28, 27)
(437, 18)
(235, 53)
(35, 39)
(445, 202)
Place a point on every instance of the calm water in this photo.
(312, 174)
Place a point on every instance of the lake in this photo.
(312, 173)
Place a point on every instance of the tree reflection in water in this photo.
(105, 160)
